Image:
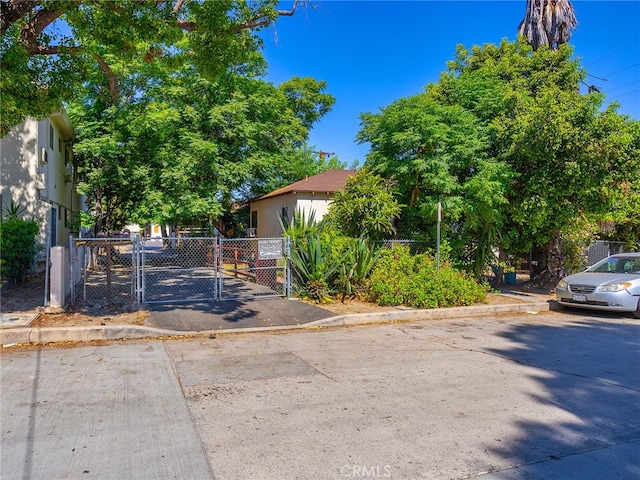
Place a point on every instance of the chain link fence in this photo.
(103, 272)
(126, 272)
(415, 246)
(601, 249)
(179, 270)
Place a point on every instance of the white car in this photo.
(611, 284)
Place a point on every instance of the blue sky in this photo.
(371, 53)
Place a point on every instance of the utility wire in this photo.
(621, 70)
(611, 53)
(628, 93)
(621, 86)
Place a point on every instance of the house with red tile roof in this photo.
(312, 194)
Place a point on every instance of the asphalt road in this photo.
(510, 397)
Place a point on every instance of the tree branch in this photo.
(264, 21)
(114, 90)
(13, 10)
(37, 49)
(188, 26)
(39, 21)
(177, 6)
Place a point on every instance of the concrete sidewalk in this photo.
(251, 316)
(87, 412)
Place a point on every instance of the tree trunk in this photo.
(550, 265)
(98, 227)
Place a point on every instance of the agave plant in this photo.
(361, 259)
(312, 269)
(301, 225)
(13, 211)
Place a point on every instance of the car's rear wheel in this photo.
(637, 312)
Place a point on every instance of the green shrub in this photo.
(18, 248)
(402, 279)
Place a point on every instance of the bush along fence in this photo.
(393, 272)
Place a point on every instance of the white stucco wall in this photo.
(270, 209)
(18, 171)
(319, 203)
(23, 173)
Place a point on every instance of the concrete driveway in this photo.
(510, 397)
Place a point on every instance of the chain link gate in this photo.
(179, 270)
(254, 267)
(133, 271)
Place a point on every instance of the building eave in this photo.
(62, 121)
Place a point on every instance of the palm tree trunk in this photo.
(548, 22)
(550, 265)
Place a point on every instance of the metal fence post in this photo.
(287, 266)
(219, 273)
(216, 273)
(72, 260)
(142, 272)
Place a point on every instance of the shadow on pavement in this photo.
(246, 313)
(590, 370)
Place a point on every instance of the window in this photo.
(59, 144)
(284, 215)
(66, 158)
(51, 136)
(254, 219)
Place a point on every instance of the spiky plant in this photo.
(357, 267)
(312, 270)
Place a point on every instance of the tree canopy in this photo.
(174, 123)
(365, 207)
(50, 47)
(190, 148)
(517, 156)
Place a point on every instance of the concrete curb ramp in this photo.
(13, 336)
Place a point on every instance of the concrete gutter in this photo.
(14, 336)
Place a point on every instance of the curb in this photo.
(36, 336)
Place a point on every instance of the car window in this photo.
(606, 267)
(632, 265)
(618, 265)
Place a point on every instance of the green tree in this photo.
(516, 154)
(307, 99)
(439, 152)
(570, 168)
(365, 207)
(185, 148)
(427, 148)
(50, 47)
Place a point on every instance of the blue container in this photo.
(510, 278)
